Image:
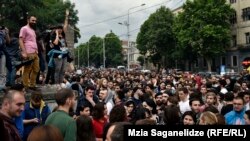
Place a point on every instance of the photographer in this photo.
(59, 51)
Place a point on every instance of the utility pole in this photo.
(88, 54)
(128, 24)
(104, 57)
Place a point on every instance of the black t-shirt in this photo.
(227, 108)
(61, 43)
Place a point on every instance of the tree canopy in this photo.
(14, 13)
(204, 27)
(156, 36)
(95, 46)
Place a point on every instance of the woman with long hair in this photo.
(85, 130)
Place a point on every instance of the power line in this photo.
(125, 15)
(144, 9)
(181, 1)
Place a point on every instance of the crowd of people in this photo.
(34, 54)
(95, 105)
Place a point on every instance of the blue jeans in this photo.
(11, 69)
(11, 73)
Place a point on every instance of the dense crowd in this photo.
(94, 105)
(108, 99)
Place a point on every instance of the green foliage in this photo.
(14, 13)
(113, 50)
(204, 26)
(156, 36)
(96, 51)
(82, 52)
(141, 60)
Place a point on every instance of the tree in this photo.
(14, 13)
(81, 54)
(141, 59)
(204, 28)
(113, 50)
(95, 51)
(156, 36)
(95, 45)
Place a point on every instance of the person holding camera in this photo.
(59, 51)
(28, 45)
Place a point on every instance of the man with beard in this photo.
(35, 113)
(65, 99)
(28, 45)
(158, 102)
(12, 106)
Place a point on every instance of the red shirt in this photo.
(98, 127)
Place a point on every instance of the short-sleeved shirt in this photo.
(29, 39)
(65, 123)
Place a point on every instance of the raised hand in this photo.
(67, 12)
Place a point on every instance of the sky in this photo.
(99, 17)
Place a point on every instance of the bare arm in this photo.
(7, 36)
(28, 121)
(56, 41)
(21, 44)
(66, 21)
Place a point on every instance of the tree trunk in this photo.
(209, 63)
(186, 65)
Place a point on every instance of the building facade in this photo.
(240, 41)
(132, 53)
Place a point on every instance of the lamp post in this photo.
(88, 54)
(78, 58)
(104, 55)
(104, 49)
(127, 24)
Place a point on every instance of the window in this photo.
(223, 60)
(246, 14)
(233, 18)
(235, 61)
(247, 37)
(232, 1)
(234, 41)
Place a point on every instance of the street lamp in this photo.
(78, 58)
(88, 54)
(104, 56)
(127, 24)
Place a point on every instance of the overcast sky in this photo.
(99, 17)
